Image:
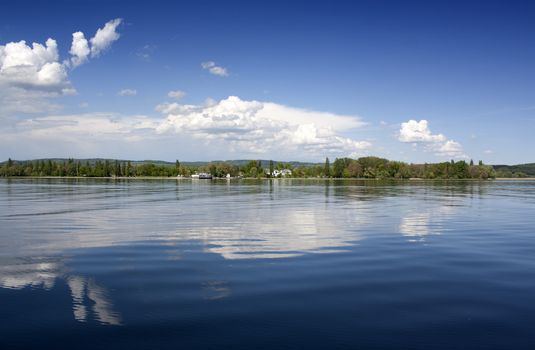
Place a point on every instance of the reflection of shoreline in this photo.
(83, 290)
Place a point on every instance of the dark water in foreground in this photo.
(103, 264)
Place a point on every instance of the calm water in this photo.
(251, 265)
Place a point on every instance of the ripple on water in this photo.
(274, 264)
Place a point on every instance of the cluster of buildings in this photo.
(275, 173)
(281, 173)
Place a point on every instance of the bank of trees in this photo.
(71, 167)
(365, 167)
(380, 168)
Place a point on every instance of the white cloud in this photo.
(417, 132)
(450, 149)
(18, 100)
(127, 92)
(259, 127)
(83, 135)
(88, 126)
(413, 131)
(79, 49)
(214, 69)
(34, 67)
(104, 37)
(32, 74)
(227, 128)
(176, 94)
(38, 67)
(29, 77)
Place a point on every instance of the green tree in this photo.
(327, 168)
(338, 167)
(129, 170)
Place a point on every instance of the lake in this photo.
(283, 264)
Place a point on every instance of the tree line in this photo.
(364, 167)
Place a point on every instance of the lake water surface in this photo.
(283, 264)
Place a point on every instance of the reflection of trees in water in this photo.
(417, 189)
(364, 190)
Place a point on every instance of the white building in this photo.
(281, 173)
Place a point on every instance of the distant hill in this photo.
(238, 162)
(525, 169)
(264, 162)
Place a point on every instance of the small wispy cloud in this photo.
(127, 92)
(214, 69)
(145, 53)
(176, 94)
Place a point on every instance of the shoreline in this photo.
(253, 178)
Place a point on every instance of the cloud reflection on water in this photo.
(288, 234)
(279, 220)
(19, 274)
(421, 222)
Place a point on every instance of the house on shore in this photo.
(281, 173)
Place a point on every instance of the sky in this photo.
(416, 81)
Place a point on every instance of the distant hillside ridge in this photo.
(519, 170)
(236, 162)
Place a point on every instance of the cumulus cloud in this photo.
(176, 94)
(451, 148)
(231, 127)
(418, 132)
(259, 127)
(38, 67)
(413, 131)
(214, 69)
(104, 37)
(32, 67)
(31, 74)
(127, 92)
(79, 49)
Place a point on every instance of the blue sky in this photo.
(413, 81)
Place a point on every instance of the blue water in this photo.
(284, 264)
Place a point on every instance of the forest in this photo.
(364, 167)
